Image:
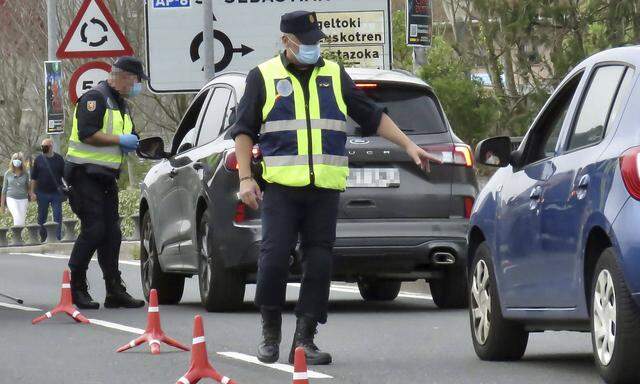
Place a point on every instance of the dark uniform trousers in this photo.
(94, 199)
(288, 212)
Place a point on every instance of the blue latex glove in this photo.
(128, 143)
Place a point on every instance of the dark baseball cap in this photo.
(304, 25)
(132, 65)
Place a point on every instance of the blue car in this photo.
(554, 237)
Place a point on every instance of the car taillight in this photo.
(457, 154)
(468, 206)
(630, 169)
(231, 161)
(241, 213)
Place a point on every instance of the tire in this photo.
(379, 290)
(221, 289)
(615, 323)
(168, 285)
(498, 339)
(451, 290)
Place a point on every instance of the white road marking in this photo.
(277, 366)
(354, 290)
(20, 307)
(64, 257)
(119, 327)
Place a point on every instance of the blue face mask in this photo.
(17, 163)
(307, 54)
(135, 90)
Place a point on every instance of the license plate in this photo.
(373, 178)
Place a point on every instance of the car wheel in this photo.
(615, 323)
(451, 290)
(494, 338)
(169, 286)
(221, 289)
(379, 290)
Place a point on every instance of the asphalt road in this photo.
(406, 341)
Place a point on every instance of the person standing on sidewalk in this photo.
(46, 186)
(15, 190)
(296, 106)
(102, 135)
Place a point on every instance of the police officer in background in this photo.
(101, 137)
(295, 106)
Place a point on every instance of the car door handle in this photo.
(536, 193)
(584, 182)
(173, 173)
(197, 165)
(581, 188)
(536, 197)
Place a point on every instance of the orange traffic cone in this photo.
(153, 334)
(300, 374)
(65, 305)
(200, 367)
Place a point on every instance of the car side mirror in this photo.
(185, 147)
(152, 148)
(494, 152)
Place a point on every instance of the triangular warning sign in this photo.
(94, 33)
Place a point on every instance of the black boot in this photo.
(80, 291)
(306, 329)
(117, 295)
(269, 347)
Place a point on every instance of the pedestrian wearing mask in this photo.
(46, 186)
(15, 190)
(101, 137)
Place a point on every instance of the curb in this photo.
(126, 249)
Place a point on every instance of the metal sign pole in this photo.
(52, 34)
(207, 21)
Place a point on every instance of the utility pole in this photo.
(419, 58)
(52, 34)
(207, 40)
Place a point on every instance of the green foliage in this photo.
(468, 105)
(402, 55)
(129, 200)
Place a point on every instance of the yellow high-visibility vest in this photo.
(114, 123)
(303, 139)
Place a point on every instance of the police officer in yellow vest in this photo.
(101, 137)
(296, 106)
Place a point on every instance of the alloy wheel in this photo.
(604, 317)
(147, 262)
(481, 302)
(205, 262)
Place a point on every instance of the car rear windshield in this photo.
(414, 110)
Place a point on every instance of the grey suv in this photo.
(396, 222)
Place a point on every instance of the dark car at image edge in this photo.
(396, 222)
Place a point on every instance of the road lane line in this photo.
(354, 290)
(277, 366)
(20, 307)
(119, 327)
(64, 257)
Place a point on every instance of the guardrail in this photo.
(69, 233)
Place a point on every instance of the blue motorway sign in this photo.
(171, 3)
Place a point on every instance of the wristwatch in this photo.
(246, 178)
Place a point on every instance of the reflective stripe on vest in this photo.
(294, 128)
(114, 123)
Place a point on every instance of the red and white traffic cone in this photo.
(200, 367)
(65, 305)
(300, 373)
(153, 334)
